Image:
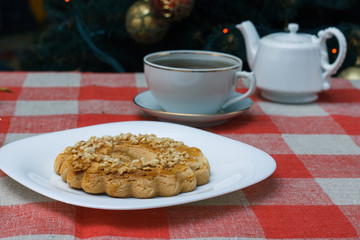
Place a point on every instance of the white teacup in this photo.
(196, 82)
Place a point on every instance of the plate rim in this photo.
(152, 202)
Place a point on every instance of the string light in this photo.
(67, 1)
(225, 30)
(334, 50)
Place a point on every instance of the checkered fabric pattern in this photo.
(313, 194)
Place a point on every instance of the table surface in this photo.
(313, 194)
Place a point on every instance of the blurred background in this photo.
(114, 36)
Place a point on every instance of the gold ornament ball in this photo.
(173, 10)
(351, 73)
(142, 24)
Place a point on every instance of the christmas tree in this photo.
(114, 36)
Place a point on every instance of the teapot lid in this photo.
(291, 37)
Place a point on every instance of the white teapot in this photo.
(291, 67)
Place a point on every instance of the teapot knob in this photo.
(293, 27)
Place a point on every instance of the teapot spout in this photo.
(251, 38)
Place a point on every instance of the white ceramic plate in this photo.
(234, 165)
(146, 102)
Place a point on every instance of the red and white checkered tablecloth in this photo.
(313, 194)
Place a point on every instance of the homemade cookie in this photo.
(127, 165)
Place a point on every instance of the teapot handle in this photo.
(330, 69)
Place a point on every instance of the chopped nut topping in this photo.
(100, 149)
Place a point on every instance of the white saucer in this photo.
(148, 104)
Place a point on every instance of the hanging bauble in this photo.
(173, 10)
(143, 25)
(352, 73)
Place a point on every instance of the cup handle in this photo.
(250, 76)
